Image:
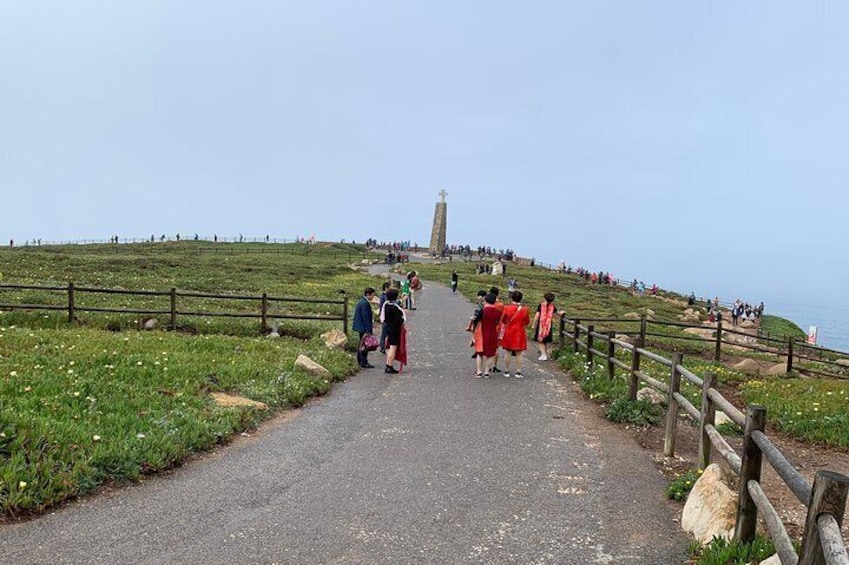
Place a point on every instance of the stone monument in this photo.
(440, 218)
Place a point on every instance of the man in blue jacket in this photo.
(363, 324)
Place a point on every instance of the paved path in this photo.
(432, 466)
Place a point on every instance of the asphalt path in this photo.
(430, 466)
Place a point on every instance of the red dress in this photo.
(516, 319)
(489, 329)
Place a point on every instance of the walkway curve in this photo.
(432, 466)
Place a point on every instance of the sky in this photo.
(699, 146)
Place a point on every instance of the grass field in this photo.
(83, 406)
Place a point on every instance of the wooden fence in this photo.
(789, 349)
(825, 500)
(263, 310)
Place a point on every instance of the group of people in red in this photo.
(497, 325)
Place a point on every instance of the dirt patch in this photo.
(806, 458)
(231, 401)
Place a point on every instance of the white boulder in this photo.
(711, 507)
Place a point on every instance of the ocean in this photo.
(832, 321)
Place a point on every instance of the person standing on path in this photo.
(363, 325)
(474, 326)
(393, 319)
(415, 288)
(542, 325)
(455, 278)
(500, 305)
(490, 317)
(383, 288)
(514, 341)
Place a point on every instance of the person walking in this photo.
(542, 325)
(363, 325)
(455, 278)
(514, 341)
(393, 318)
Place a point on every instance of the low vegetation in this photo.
(83, 406)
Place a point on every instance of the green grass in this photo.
(780, 328)
(723, 552)
(82, 406)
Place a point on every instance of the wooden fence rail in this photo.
(826, 500)
(789, 349)
(262, 313)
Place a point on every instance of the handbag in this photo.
(503, 329)
(370, 343)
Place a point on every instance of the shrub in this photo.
(680, 486)
(723, 552)
(638, 412)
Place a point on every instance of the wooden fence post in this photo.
(264, 312)
(643, 324)
(562, 331)
(590, 330)
(708, 417)
(345, 315)
(71, 303)
(173, 308)
(576, 336)
(611, 355)
(717, 354)
(747, 511)
(789, 354)
(635, 367)
(672, 407)
(827, 497)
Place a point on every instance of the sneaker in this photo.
(496, 370)
(390, 369)
(507, 375)
(543, 357)
(367, 366)
(519, 376)
(478, 374)
(486, 375)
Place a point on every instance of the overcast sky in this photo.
(699, 145)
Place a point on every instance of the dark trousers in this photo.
(362, 354)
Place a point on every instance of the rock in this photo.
(312, 367)
(335, 338)
(747, 324)
(689, 312)
(228, 400)
(721, 418)
(365, 262)
(843, 362)
(711, 507)
(272, 334)
(625, 338)
(773, 559)
(777, 369)
(150, 324)
(650, 394)
(701, 332)
(649, 312)
(631, 316)
(748, 366)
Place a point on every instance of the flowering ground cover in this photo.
(82, 406)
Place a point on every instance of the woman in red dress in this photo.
(514, 342)
(489, 334)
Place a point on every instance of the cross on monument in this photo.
(443, 194)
